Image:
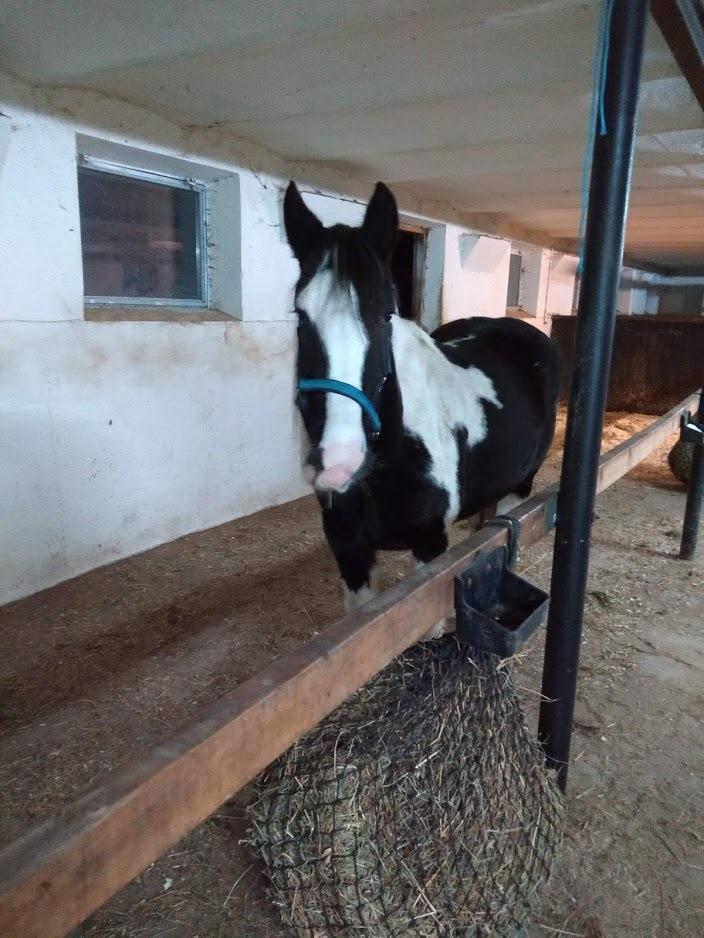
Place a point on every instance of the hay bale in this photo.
(680, 460)
(420, 807)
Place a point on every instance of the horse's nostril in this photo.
(336, 478)
(349, 456)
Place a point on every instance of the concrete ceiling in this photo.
(480, 105)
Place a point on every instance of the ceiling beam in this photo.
(560, 217)
(636, 231)
(682, 24)
(684, 271)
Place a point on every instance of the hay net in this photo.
(419, 807)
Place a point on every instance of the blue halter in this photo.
(332, 386)
(383, 366)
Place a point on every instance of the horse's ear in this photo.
(380, 225)
(302, 226)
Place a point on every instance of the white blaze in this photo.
(334, 310)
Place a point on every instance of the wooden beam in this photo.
(622, 458)
(61, 870)
(684, 236)
(689, 223)
(682, 24)
(647, 266)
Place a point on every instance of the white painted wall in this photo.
(121, 435)
(624, 296)
(40, 247)
(644, 299)
(476, 275)
(533, 289)
(560, 292)
(535, 269)
(547, 284)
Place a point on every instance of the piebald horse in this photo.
(408, 431)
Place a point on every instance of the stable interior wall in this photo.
(535, 273)
(119, 435)
(533, 286)
(476, 274)
(561, 282)
(124, 429)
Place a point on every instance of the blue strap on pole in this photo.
(597, 114)
(329, 385)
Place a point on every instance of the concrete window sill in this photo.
(153, 314)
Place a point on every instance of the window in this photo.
(143, 237)
(514, 281)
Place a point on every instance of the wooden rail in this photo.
(622, 458)
(60, 871)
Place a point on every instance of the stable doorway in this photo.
(407, 266)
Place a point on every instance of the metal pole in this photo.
(603, 253)
(695, 495)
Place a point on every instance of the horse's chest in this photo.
(398, 504)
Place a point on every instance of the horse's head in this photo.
(345, 298)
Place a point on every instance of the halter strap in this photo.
(380, 372)
(331, 386)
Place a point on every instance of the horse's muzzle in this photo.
(334, 479)
(337, 467)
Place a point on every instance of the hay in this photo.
(419, 807)
(680, 460)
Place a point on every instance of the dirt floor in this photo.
(112, 662)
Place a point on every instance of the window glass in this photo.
(140, 239)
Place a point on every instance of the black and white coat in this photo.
(467, 414)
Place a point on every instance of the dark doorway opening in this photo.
(407, 269)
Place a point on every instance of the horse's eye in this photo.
(387, 317)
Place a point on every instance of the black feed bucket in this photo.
(497, 611)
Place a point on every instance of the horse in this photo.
(408, 431)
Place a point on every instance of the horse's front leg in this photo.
(355, 556)
(429, 544)
(360, 579)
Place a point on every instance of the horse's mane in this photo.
(354, 263)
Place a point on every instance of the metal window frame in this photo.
(173, 182)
